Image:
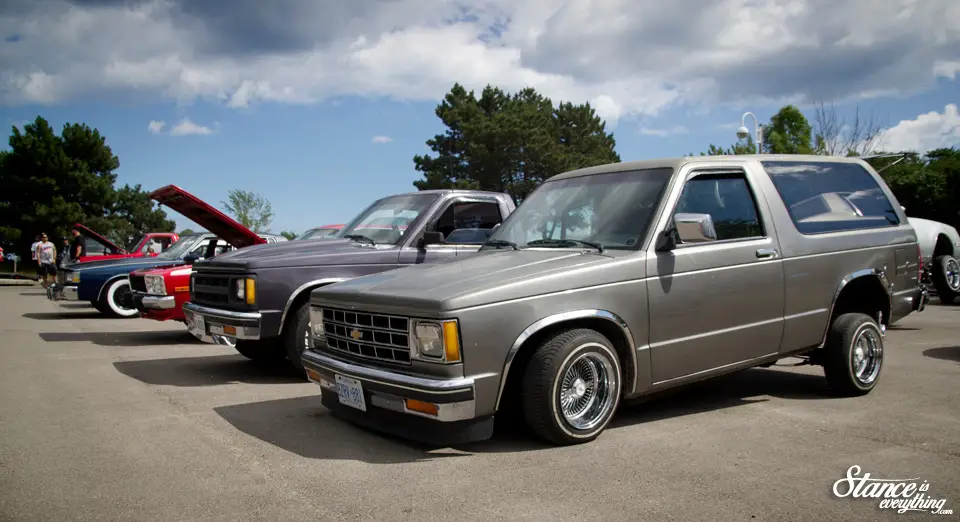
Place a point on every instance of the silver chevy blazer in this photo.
(616, 281)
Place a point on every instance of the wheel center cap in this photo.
(579, 388)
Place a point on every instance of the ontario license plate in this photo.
(350, 393)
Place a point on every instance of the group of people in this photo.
(44, 253)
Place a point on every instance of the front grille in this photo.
(212, 289)
(137, 283)
(369, 335)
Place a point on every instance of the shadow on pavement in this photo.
(154, 338)
(207, 371)
(947, 353)
(50, 316)
(302, 426)
(43, 293)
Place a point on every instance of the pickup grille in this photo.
(212, 289)
(137, 283)
(369, 335)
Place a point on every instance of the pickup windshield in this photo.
(612, 210)
(385, 221)
(180, 248)
(318, 233)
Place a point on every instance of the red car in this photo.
(159, 293)
(150, 244)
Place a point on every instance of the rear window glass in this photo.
(826, 197)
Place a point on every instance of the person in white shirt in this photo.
(33, 248)
(47, 258)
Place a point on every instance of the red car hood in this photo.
(99, 239)
(206, 216)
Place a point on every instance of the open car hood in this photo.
(206, 216)
(99, 239)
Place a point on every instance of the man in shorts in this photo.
(47, 259)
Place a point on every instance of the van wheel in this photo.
(111, 302)
(946, 278)
(571, 387)
(260, 350)
(297, 338)
(853, 355)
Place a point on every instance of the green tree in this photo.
(185, 232)
(788, 132)
(289, 235)
(249, 208)
(927, 185)
(510, 142)
(133, 214)
(741, 147)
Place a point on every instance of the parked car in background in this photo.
(617, 281)
(159, 293)
(939, 248)
(100, 248)
(258, 295)
(320, 232)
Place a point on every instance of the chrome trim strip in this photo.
(225, 314)
(568, 316)
(299, 290)
(158, 302)
(399, 380)
(866, 272)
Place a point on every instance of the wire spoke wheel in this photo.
(866, 355)
(585, 394)
(952, 274)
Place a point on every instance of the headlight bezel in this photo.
(74, 277)
(244, 290)
(155, 284)
(448, 331)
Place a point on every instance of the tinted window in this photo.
(830, 197)
(469, 215)
(728, 200)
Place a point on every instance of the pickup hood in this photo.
(486, 277)
(129, 264)
(99, 239)
(206, 216)
(301, 253)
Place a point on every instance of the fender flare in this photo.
(562, 317)
(880, 275)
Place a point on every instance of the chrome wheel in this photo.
(866, 355)
(587, 391)
(952, 274)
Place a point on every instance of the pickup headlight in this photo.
(246, 290)
(155, 285)
(437, 340)
(75, 277)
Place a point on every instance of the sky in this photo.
(320, 105)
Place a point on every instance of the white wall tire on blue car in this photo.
(111, 298)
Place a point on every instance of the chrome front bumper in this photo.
(57, 292)
(154, 302)
(204, 323)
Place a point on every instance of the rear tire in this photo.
(853, 355)
(946, 278)
(261, 350)
(297, 338)
(571, 387)
(112, 297)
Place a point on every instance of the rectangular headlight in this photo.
(155, 285)
(438, 340)
(316, 322)
(246, 290)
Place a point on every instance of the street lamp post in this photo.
(743, 131)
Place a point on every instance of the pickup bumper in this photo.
(205, 323)
(431, 411)
(58, 292)
(156, 307)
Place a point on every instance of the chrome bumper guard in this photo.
(454, 398)
(206, 323)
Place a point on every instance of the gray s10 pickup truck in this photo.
(616, 281)
(256, 298)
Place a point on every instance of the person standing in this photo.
(78, 247)
(64, 251)
(47, 259)
(33, 247)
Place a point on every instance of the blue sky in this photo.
(288, 102)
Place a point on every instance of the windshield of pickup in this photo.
(385, 221)
(180, 248)
(318, 233)
(613, 210)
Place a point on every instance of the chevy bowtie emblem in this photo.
(356, 334)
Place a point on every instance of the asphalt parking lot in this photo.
(114, 419)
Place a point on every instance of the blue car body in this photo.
(93, 279)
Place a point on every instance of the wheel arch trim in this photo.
(563, 317)
(109, 282)
(880, 276)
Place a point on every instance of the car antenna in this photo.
(901, 155)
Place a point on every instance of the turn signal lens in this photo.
(423, 407)
(451, 341)
(251, 291)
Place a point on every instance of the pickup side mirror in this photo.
(495, 227)
(432, 238)
(694, 228)
(191, 258)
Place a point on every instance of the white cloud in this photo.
(928, 131)
(382, 139)
(679, 129)
(186, 127)
(626, 57)
(156, 126)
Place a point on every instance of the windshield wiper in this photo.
(501, 243)
(360, 237)
(559, 242)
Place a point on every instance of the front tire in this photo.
(297, 338)
(853, 355)
(261, 350)
(946, 278)
(110, 301)
(571, 387)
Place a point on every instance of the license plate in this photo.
(350, 393)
